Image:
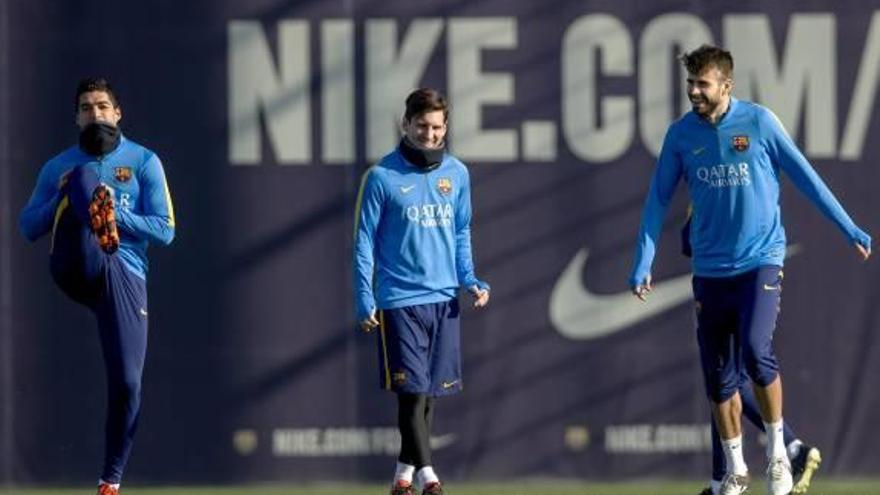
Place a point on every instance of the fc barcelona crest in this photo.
(444, 185)
(122, 174)
(740, 143)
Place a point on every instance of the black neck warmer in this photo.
(99, 138)
(424, 158)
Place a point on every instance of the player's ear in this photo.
(728, 85)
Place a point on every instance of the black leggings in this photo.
(415, 413)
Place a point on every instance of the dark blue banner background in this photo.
(266, 113)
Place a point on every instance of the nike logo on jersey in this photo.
(143, 312)
(406, 189)
(579, 314)
(698, 150)
(448, 385)
(771, 287)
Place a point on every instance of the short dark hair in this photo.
(424, 100)
(90, 84)
(707, 56)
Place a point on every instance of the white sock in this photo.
(426, 475)
(715, 486)
(115, 486)
(404, 472)
(775, 444)
(794, 448)
(733, 453)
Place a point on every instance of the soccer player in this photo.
(412, 252)
(104, 201)
(805, 459)
(730, 153)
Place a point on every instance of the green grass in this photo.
(820, 487)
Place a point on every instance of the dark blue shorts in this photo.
(420, 349)
(736, 318)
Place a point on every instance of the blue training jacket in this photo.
(144, 212)
(732, 171)
(412, 233)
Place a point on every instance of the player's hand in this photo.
(642, 290)
(481, 296)
(370, 322)
(864, 252)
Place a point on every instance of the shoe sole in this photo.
(814, 459)
(102, 219)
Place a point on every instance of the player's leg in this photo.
(76, 261)
(752, 412)
(425, 476)
(430, 402)
(414, 449)
(445, 374)
(121, 310)
(718, 343)
(445, 355)
(761, 297)
(805, 459)
(403, 354)
(719, 464)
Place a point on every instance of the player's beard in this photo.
(705, 106)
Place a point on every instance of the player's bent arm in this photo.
(157, 229)
(38, 215)
(157, 223)
(785, 153)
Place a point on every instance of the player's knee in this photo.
(762, 369)
(720, 387)
(765, 375)
(723, 392)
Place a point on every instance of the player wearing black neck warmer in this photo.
(412, 255)
(104, 201)
(99, 138)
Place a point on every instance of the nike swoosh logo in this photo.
(407, 189)
(699, 150)
(449, 384)
(579, 314)
(442, 441)
(143, 312)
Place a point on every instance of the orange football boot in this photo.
(102, 219)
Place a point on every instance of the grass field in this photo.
(820, 487)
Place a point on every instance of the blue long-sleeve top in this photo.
(144, 212)
(732, 170)
(412, 241)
